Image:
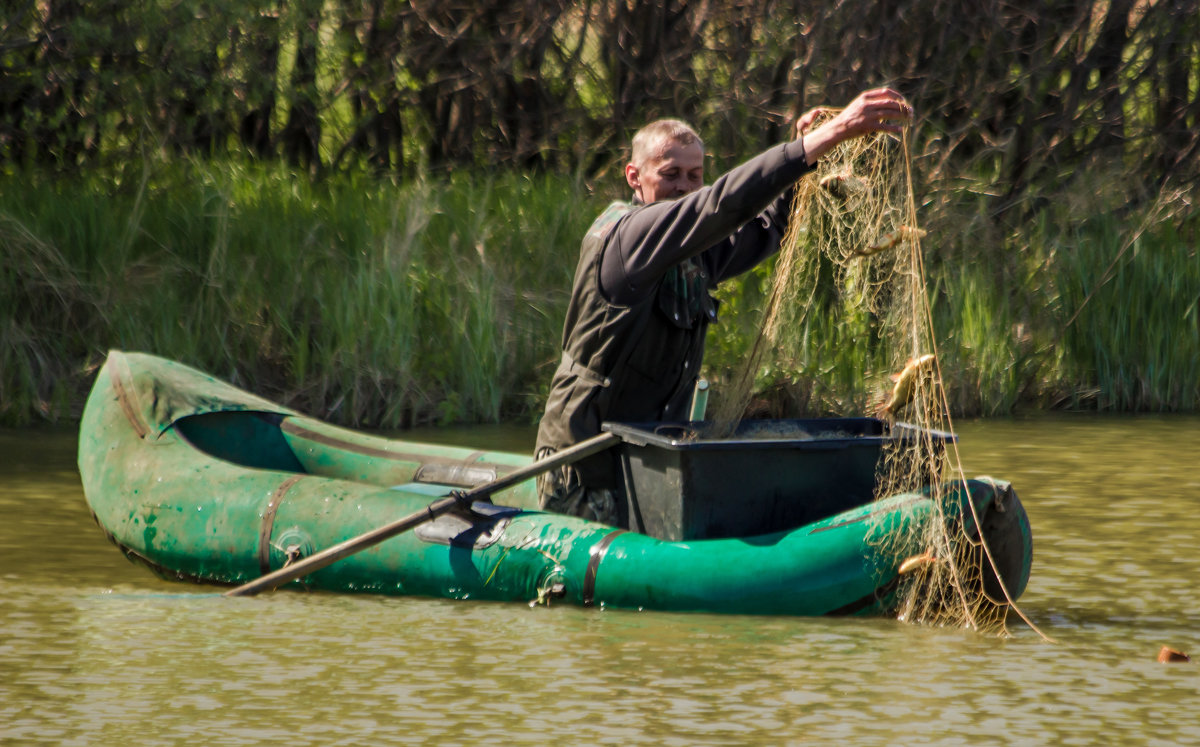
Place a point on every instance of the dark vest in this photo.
(634, 363)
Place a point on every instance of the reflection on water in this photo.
(96, 650)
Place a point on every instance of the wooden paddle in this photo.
(457, 499)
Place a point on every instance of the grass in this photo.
(1133, 336)
(373, 304)
(391, 305)
(1094, 307)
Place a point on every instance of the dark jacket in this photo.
(633, 339)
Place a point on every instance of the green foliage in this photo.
(378, 294)
(1130, 315)
(1025, 94)
(376, 304)
(1096, 305)
(358, 301)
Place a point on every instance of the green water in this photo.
(95, 650)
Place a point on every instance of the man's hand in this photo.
(877, 110)
(807, 118)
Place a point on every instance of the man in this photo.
(633, 339)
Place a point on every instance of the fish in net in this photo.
(850, 274)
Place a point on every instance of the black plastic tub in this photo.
(769, 476)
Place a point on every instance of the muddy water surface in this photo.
(95, 650)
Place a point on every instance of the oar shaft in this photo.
(353, 545)
(331, 555)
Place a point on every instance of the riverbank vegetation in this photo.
(371, 211)
(442, 301)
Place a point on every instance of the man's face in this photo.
(674, 172)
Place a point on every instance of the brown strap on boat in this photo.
(268, 523)
(118, 374)
(859, 605)
(597, 554)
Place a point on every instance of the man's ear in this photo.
(634, 177)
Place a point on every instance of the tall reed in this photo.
(387, 305)
(375, 304)
(1095, 306)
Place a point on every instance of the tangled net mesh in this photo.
(850, 273)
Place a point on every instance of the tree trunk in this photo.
(301, 136)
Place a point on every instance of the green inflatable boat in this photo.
(203, 482)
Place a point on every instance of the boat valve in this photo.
(294, 544)
(552, 587)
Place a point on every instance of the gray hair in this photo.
(649, 141)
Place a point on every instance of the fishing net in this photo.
(850, 278)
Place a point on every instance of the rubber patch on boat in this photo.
(456, 530)
(462, 474)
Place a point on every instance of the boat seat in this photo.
(458, 474)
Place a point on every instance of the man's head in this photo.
(667, 161)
